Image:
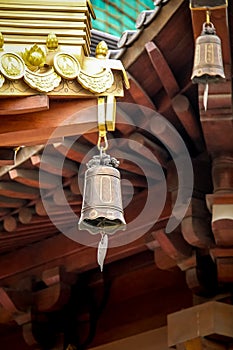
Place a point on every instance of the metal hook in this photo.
(207, 16)
(105, 147)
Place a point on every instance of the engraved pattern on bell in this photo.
(102, 201)
(208, 63)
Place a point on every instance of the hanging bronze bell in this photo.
(102, 209)
(208, 63)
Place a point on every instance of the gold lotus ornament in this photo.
(34, 57)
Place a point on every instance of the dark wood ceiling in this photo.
(57, 279)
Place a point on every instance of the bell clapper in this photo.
(205, 96)
(102, 249)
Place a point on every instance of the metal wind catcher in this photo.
(102, 209)
(208, 62)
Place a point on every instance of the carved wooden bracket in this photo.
(24, 306)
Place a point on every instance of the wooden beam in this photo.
(7, 156)
(58, 251)
(173, 244)
(10, 223)
(162, 69)
(208, 319)
(6, 202)
(124, 123)
(189, 120)
(21, 105)
(74, 185)
(22, 155)
(139, 95)
(16, 190)
(133, 163)
(142, 145)
(74, 151)
(64, 118)
(25, 215)
(53, 208)
(53, 164)
(165, 133)
(69, 198)
(33, 178)
(52, 298)
(162, 260)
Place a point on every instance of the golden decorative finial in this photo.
(35, 57)
(1, 41)
(101, 50)
(52, 41)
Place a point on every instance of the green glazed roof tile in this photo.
(114, 17)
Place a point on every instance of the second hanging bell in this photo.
(208, 62)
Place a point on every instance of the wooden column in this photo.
(207, 326)
(220, 204)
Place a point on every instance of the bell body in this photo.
(102, 207)
(208, 63)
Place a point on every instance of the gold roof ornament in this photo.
(52, 41)
(1, 41)
(101, 50)
(45, 47)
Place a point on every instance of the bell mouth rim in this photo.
(205, 78)
(92, 222)
(83, 225)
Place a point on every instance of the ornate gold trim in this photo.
(66, 65)
(96, 83)
(43, 82)
(12, 66)
(2, 80)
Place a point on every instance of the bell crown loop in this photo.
(208, 29)
(103, 159)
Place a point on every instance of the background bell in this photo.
(208, 63)
(102, 207)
